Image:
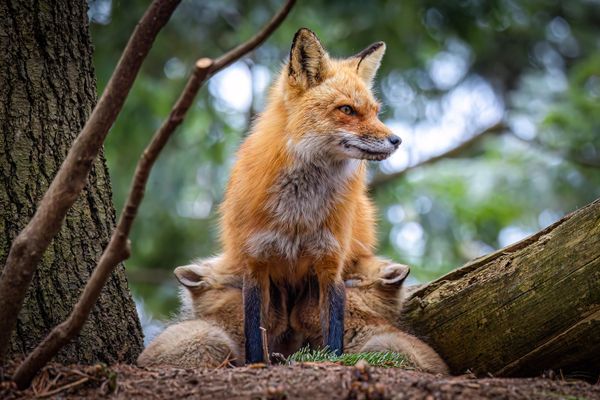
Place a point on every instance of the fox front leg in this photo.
(256, 300)
(332, 302)
(333, 332)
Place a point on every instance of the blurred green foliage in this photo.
(452, 69)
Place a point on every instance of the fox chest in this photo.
(298, 206)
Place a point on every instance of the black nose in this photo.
(395, 140)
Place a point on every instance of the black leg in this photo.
(335, 302)
(252, 309)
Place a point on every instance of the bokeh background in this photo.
(497, 103)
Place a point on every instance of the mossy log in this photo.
(524, 309)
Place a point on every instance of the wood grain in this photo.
(527, 308)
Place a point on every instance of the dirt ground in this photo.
(302, 381)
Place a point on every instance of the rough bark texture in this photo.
(47, 90)
(527, 308)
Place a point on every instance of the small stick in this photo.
(65, 387)
(265, 345)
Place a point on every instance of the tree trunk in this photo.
(529, 307)
(47, 91)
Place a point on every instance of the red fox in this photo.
(214, 334)
(296, 203)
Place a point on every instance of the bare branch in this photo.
(29, 246)
(118, 247)
(381, 180)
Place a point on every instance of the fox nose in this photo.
(395, 140)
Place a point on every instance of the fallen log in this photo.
(524, 309)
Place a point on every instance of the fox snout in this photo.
(385, 141)
(382, 131)
(394, 140)
(369, 146)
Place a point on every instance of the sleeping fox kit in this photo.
(296, 206)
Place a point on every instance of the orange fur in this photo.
(265, 154)
(296, 203)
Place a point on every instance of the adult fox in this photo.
(296, 203)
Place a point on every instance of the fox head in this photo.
(331, 110)
(378, 286)
(206, 291)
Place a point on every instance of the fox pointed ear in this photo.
(369, 61)
(392, 276)
(309, 62)
(192, 276)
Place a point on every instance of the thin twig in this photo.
(381, 180)
(265, 346)
(118, 247)
(31, 243)
(227, 362)
(64, 387)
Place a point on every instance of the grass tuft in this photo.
(376, 359)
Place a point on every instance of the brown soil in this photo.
(305, 381)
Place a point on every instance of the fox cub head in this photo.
(377, 286)
(208, 290)
(330, 105)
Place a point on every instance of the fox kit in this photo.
(296, 203)
(194, 343)
(213, 335)
(373, 307)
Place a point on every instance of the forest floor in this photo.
(301, 381)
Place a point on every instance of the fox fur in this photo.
(192, 344)
(296, 204)
(213, 336)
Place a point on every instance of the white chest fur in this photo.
(299, 203)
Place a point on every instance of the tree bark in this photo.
(47, 91)
(524, 309)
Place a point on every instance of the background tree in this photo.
(49, 90)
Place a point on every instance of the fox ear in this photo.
(192, 276)
(309, 62)
(392, 276)
(369, 61)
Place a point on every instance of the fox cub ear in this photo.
(309, 62)
(192, 276)
(392, 276)
(369, 61)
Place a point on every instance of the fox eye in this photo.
(347, 110)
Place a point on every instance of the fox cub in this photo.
(296, 204)
(213, 336)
